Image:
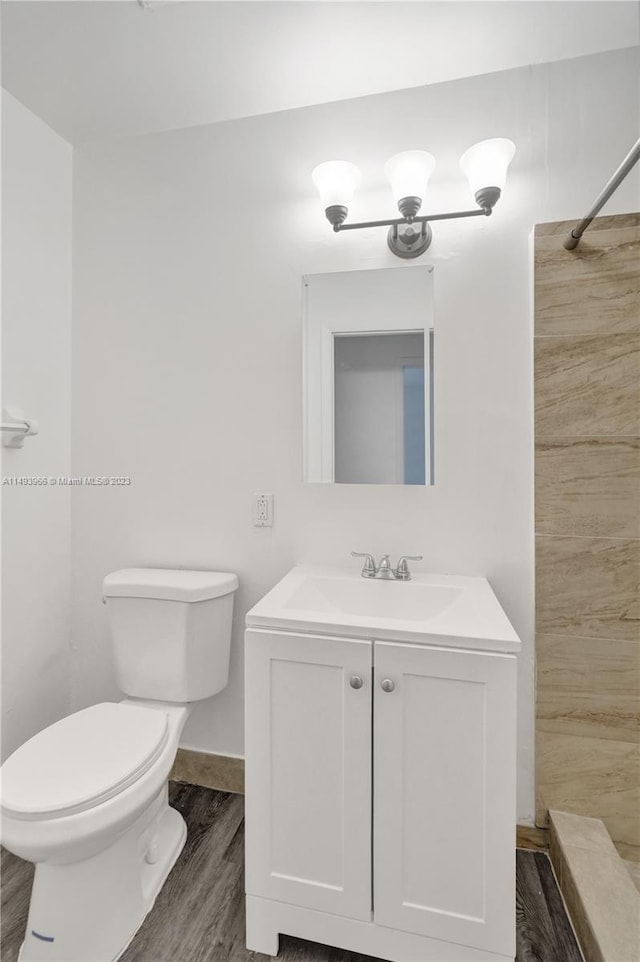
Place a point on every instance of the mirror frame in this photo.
(318, 365)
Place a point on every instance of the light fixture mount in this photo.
(410, 242)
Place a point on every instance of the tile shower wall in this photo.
(587, 443)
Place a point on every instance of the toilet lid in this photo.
(82, 760)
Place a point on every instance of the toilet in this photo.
(86, 799)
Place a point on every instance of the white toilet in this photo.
(86, 799)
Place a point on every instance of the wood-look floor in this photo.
(199, 914)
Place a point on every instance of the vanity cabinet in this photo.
(380, 796)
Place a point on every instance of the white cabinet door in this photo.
(308, 771)
(444, 794)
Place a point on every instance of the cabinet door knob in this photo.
(387, 685)
(356, 682)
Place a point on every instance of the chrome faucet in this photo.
(369, 568)
(402, 573)
(385, 570)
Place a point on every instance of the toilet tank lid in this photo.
(169, 584)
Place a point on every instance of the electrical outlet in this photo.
(263, 510)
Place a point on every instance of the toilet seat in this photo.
(82, 760)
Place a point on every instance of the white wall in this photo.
(36, 377)
(189, 247)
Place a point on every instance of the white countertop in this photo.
(447, 610)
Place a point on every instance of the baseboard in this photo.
(528, 836)
(226, 773)
(222, 772)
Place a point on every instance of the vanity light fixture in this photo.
(485, 166)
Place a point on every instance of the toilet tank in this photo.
(171, 631)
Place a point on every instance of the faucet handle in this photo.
(369, 567)
(402, 572)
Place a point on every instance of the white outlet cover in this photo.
(262, 510)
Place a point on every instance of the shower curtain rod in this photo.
(632, 158)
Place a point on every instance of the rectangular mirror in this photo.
(368, 376)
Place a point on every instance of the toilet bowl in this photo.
(86, 799)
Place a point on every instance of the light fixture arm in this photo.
(423, 219)
(409, 243)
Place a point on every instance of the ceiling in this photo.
(96, 69)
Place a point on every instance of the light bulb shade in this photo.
(336, 182)
(485, 164)
(408, 173)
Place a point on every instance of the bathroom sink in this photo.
(372, 598)
(338, 601)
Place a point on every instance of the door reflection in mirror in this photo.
(379, 425)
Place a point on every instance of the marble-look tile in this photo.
(587, 386)
(604, 905)
(555, 852)
(597, 777)
(588, 487)
(629, 852)
(222, 772)
(588, 587)
(581, 831)
(586, 937)
(633, 868)
(604, 222)
(587, 406)
(592, 289)
(573, 903)
(588, 686)
(598, 890)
